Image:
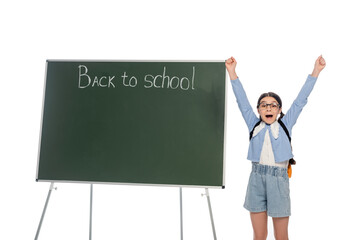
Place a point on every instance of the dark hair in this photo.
(274, 95)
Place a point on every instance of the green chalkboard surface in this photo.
(133, 122)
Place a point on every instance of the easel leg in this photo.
(44, 211)
(211, 215)
(91, 203)
(181, 216)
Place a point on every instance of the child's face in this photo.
(269, 110)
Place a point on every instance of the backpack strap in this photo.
(252, 131)
(285, 129)
(292, 160)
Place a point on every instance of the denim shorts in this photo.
(268, 190)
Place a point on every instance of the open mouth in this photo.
(269, 116)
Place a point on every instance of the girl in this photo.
(270, 150)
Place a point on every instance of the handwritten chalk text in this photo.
(163, 80)
(85, 80)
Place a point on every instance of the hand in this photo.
(230, 66)
(319, 66)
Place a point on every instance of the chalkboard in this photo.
(133, 122)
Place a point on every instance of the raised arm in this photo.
(246, 110)
(230, 66)
(319, 66)
(294, 111)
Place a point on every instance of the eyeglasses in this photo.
(273, 106)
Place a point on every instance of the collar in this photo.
(274, 129)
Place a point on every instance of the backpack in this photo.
(291, 161)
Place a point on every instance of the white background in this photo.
(275, 44)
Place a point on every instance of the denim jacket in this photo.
(280, 145)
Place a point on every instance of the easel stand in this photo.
(91, 205)
(46, 204)
(210, 211)
(44, 211)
